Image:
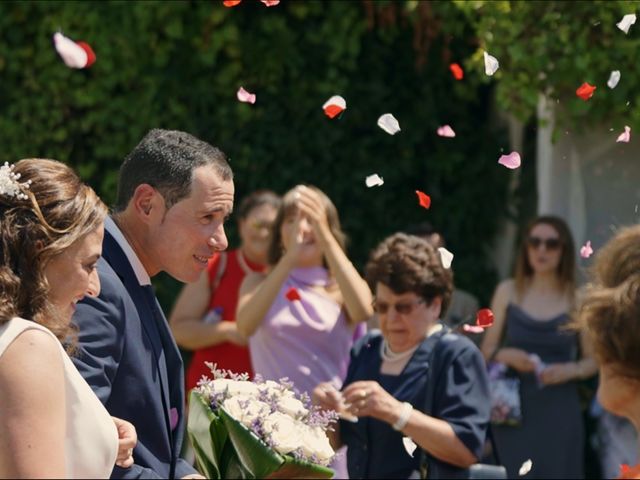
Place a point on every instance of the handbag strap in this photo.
(428, 406)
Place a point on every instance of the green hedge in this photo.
(178, 65)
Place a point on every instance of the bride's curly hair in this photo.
(58, 211)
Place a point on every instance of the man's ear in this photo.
(146, 202)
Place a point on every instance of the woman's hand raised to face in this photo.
(311, 206)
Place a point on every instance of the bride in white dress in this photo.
(51, 423)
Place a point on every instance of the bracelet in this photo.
(405, 413)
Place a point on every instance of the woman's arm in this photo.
(32, 402)
(586, 367)
(187, 319)
(431, 434)
(355, 291)
(514, 357)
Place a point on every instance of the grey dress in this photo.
(552, 432)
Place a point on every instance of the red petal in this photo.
(627, 471)
(231, 3)
(292, 294)
(457, 71)
(585, 91)
(424, 199)
(484, 318)
(91, 56)
(332, 111)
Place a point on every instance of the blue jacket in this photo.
(130, 359)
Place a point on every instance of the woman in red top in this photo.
(203, 318)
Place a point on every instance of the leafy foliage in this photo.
(178, 65)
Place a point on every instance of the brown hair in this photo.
(566, 267)
(58, 211)
(257, 199)
(610, 310)
(407, 263)
(288, 208)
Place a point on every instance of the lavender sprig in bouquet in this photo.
(259, 429)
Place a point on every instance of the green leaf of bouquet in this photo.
(263, 462)
(208, 436)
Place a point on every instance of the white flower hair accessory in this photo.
(9, 184)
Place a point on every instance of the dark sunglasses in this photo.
(403, 308)
(549, 243)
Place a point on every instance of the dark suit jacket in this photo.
(129, 358)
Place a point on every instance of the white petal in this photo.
(446, 256)
(626, 22)
(614, 78)
(446, 131)
(625, 136)
(72, 54)
(374, 180)
(389, 124)
(336, 100)
(245, 96)
(409, 445)
(491, 64)
(525, 468)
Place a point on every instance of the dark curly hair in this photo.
(610, 309)
(58, 211)
(406, 263)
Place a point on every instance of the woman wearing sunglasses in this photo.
(410, 363)
(530, 337)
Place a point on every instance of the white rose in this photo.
(284, 432)
(234, 387)
(292, 407)
(245, 409)
(315, 442)
(272, 388)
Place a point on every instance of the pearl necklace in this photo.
(389, 355)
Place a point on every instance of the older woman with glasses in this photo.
(411, 379)
(530, 337)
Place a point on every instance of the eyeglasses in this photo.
(549, 243)
(403, 308)
(259, 226)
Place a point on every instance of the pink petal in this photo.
(245, 96)
(472, 328)
(586, 251)
(334, 106)
(270, 3)
(510, 161)
(625, 136)
(72, 54)
(446, 131)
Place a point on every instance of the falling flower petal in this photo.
(424, 199)
(374, 180)
(245, 96)
(73, 54)
(510, 161)
(627, 471)
(625, 136)
(491, 64)
(231, 3)
(525, 468)
(446, 257)
(446, 131)
(614, 78)
(409, 445)
(457, 71)
(484, 318)
(585, 91)
(270, 3)
(586, 251)
(292, 294)
(389, 124)
(626, 22)
(334, 106)
(472, 328)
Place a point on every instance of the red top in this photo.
(227, 356)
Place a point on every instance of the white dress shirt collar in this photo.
(141, 274)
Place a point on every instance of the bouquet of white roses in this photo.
(259, 429)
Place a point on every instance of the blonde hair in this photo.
(610, 310)
(58, 211)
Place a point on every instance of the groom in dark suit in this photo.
(174, 194)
